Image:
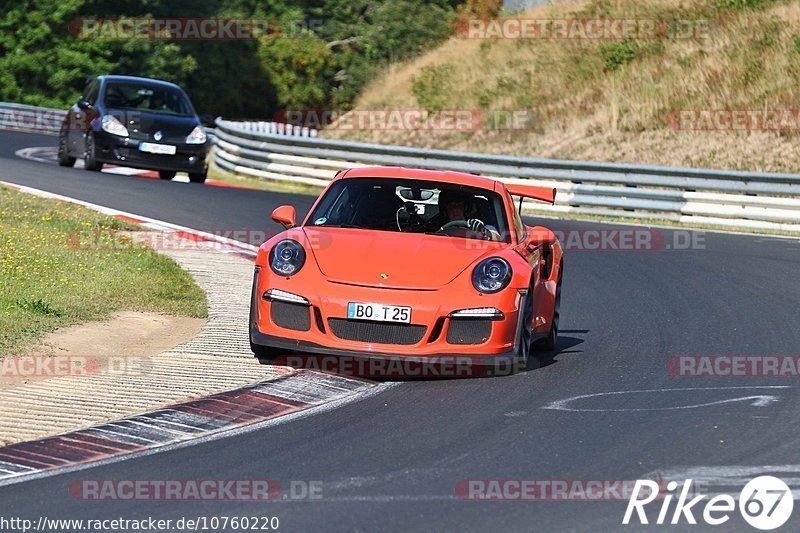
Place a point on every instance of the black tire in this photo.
(90, 156)
(265, 354)
(198, 177)
(550, 342)
(525, 334)
(64, 159)
(166, 174)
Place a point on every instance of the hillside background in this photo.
(610, 100)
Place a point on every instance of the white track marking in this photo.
(760, 400)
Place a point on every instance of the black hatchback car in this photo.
(135, 122)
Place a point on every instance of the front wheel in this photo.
(64, 159)
(549, 343)
(166, 174)
(197, 177)
(90, 156)
(525, 332)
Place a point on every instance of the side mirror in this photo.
(539, 235)
(284, 215)
(83, 104)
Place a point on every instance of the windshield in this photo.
(413, 206)
(142, 97)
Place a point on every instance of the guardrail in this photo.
(30, 118)
(274, 151)
(755, 200)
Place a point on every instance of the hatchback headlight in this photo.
(198, 136)
(287, 257)
(114, 126)
(491, 275)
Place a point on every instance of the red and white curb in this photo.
(180, 423)
(187, 423)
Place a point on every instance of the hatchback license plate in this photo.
(166, 149)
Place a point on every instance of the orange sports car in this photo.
(398, 262)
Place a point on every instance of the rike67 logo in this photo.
(765, 503)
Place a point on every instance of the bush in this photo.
(430, 86)
(615, 55)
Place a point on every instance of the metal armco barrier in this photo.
(30, 118)
(281, 152)
(757, 200)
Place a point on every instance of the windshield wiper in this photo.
(352, 226)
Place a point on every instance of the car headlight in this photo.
(198, 136)
(491, 275)
(287, 257)
(114, 126)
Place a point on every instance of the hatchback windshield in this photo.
(413, 206)
(153, 99)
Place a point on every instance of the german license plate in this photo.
(153, 148)
(379, 312)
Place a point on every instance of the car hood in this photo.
(142, 125)
(393, 260)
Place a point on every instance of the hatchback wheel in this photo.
(90, 156)
(64, 159)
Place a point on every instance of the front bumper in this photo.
(430, 311)
(124, 151)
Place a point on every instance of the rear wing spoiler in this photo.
(543, 194)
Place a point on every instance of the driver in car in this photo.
(158, 102)
(452, 210)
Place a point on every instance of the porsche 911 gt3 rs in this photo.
(397, 262)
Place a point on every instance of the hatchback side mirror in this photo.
(285, 216)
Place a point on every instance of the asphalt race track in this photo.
(392, 461)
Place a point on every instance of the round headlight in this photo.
(491, 275)
(287, 257)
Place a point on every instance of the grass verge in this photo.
(48, 281)
(263, 184)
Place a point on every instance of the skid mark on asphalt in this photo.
(180, 422)
(758, 400)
